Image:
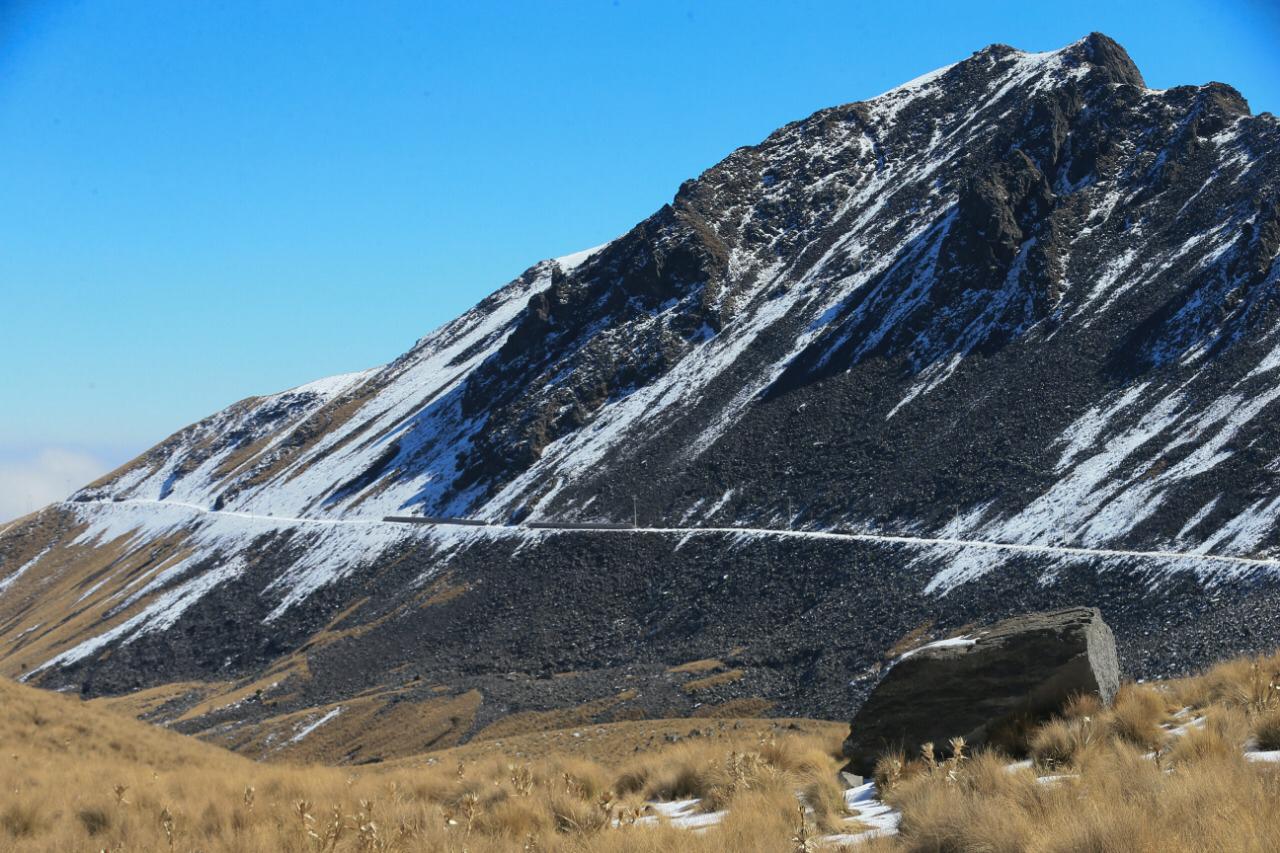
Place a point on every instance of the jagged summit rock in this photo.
(968, 686)
(1017, 321)
(1104, 53)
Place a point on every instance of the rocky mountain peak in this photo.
(1106, 55)
(1005, 336)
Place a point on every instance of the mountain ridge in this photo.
(1021, 300)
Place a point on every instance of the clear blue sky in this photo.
(204, 201)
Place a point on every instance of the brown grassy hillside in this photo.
(80, 777)
(1184, 765)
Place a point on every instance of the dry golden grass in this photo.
(752, 707)
(1244, 682)
(712, 681)
(1118, 801)
(615, 745)
(1136, 715)
(78, 777)
(1163, 769)
(699, 667)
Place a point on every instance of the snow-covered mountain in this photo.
(1013, 318)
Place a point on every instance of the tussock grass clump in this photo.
(1136, 715)
(1222, 737)
(1059, 742)
(1250, 683)
(96, 820)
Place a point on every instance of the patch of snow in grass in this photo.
(6, 582)
(681, 814)
(868, 810)
(315, 724)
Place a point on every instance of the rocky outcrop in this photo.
(971, 685)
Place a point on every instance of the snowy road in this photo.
(924, 541)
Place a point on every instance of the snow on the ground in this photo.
(865, 807)
(314, 724)
(861, 802)
(332, 386)
(335, 549)
(1180, 730)
(161, 613)
(1091, 506)
(864, 804)
(681, 814)
(573, 260)
(9, 579)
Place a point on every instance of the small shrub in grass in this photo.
(94, 820)
(1260, 691)
(516, 818)
(888, 771)
(796, 755)
(1057, 743)
(1136, 716)
(573, 815)
(738, 772)
(1083, 705)
(758, 822)
(680, 782)
(826, 798)
(631, 782)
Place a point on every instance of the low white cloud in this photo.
(30, 481)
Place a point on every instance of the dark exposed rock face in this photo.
(1027, 666)
(964, 291)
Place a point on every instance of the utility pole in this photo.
(789, 515)
(635, 513)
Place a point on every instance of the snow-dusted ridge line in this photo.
(947, 542)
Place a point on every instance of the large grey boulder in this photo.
(969, 686)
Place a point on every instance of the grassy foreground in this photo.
(77, 777)
(1164, 769)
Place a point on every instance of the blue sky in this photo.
(205, 201)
